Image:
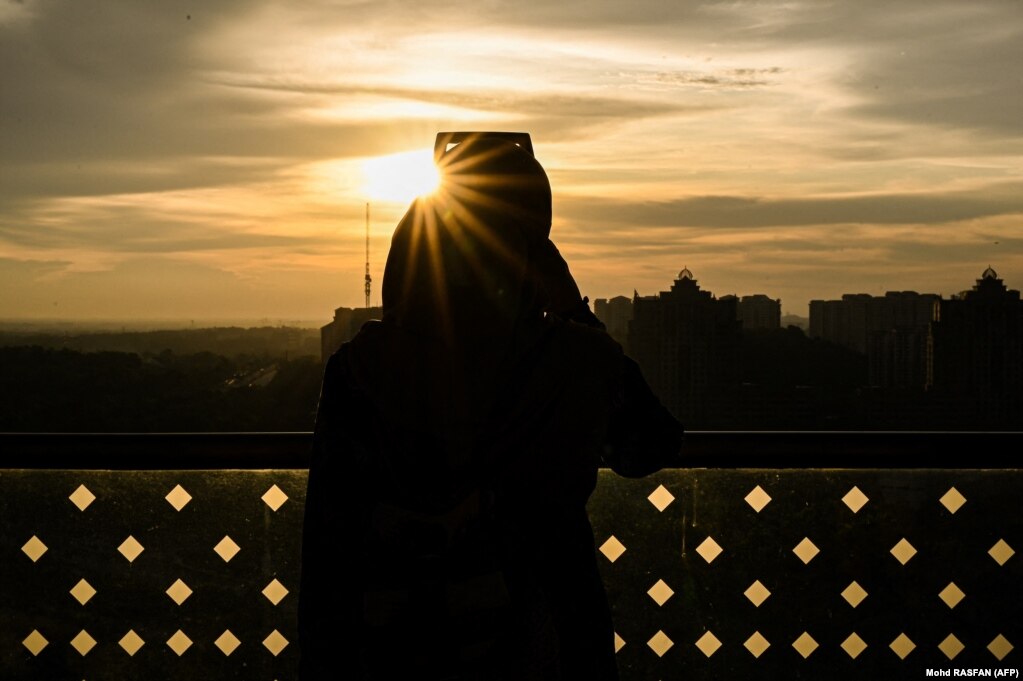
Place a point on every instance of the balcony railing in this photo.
(774, 556)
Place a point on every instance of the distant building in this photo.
(686, 343)
(977, 350)
(759, 312)
(898, 339)
(844, 321)
(616, 314)
(891, 330)
(347, 322)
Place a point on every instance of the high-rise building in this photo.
(759, 312)
(844, 321)
(616, 314)
(891, 330)
(898, 338)
(347, 322)
(977, 346)
(686, 343)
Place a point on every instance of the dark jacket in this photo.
(575, 403)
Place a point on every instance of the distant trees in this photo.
(61, 390)
(229, 341)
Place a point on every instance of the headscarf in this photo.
(458, 267)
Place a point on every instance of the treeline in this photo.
(62, 390)
(275, 341)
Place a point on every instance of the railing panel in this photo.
(137, 589)
(696, 539)
(694, 552)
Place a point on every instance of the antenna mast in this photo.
(369, 280)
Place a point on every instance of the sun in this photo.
(400, 177)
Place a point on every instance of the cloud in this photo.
(746, 212)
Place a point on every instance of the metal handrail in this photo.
(701, 449)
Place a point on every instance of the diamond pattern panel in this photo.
(689, 593)
(120, 580)
(833, 574)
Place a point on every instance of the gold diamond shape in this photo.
(757, 593)
(660, 592)
(805, 645)
(612, 549)
(854, 594)
(709, 549)
(83, 591)
(951, 594)
(274, 498)
(82, 497)
(902, 646)
(226, 548)
(83, 643)
(806, 550)
(951, 646)
(35, 642)
(758, 498)
(179, 643)
(903, 551)
(619, 642)
(661, 498)
(854, 645)
(178, 591)
(756, 644)
(275, 643)
(660, 643)
(855, 499)
(227, 642)
(34, 548)
(178, 497)
(1001, 552)
(130, 549)
(999, 647)
(275, 591)
(952, 500)
(131, 642)
(708, 644)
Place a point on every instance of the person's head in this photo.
(459, 259)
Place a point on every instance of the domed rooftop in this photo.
(989, 273)
(684, 273)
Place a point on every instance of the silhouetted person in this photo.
(457, 443)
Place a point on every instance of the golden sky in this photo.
(208, 160)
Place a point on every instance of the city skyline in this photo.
(214, 162)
